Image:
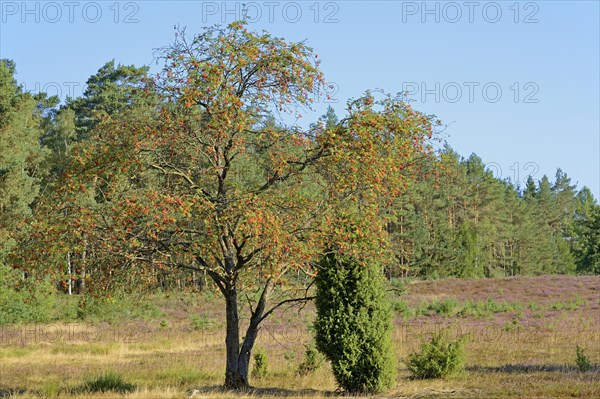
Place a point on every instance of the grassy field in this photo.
(521, 339)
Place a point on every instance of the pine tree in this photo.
(565, 203)
(20, 154)
(113, 89)
(589, 256)
(530, 191)
(586, 233)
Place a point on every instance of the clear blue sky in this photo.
(517, 82)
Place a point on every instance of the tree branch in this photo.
(304, 299)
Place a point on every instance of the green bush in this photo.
(353, 325)
(489, 307)
(313, 360)
(570, 305)
(34, 300)
(202, 322)
(116, 307)
(67, 307)
(289, 356)
(398, 286)
(438, 357)
(261, 364)
(444, 307)
(474, 309)
(51, 389)
(513, 325)
(24, 301)
(582, 361)
(402, 308)
(108, 382)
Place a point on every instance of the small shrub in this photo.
(398, 286)
(576, 303)
(261, 364)
(402, 308)
(200, 322)
(147, 311)
(51, 389)
(444, 307)
(490, 307)
(582, 361)
(313, 360)
(421, 310)
(438, 358)
(513, 325)
(289, 356)
(474, 309)
(572, 304)
(496, 307)
(108, 382)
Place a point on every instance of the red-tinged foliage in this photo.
(208, 182)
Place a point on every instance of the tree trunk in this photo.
(69, 273)
(82, 271)
(238, 359)
(234, 377)
(246, 351)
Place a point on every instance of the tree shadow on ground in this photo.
(261, 392)
(10, 392)
(533, 368)
(313, 393)
(436, 394)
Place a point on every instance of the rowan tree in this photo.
(207, 181)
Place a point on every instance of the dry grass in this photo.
(533, 357)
